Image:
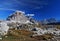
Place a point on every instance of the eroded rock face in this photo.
(18, 16)
(3, 28)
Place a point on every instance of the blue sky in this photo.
(43, 9)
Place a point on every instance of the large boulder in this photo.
(4, 28)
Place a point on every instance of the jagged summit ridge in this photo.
(18, 16)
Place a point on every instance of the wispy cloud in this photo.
(8, 9)
(14, 4)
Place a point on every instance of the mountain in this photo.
(50, 20)
(18, 16)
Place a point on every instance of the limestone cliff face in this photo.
(18, 16)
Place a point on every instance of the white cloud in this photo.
(8, 9)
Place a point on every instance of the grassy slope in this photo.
(19, 35)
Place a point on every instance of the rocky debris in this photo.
(4, 28)
(43, 37)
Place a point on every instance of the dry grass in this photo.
(58, 27)
(24, 35)
(43, 37)
(19, 35)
